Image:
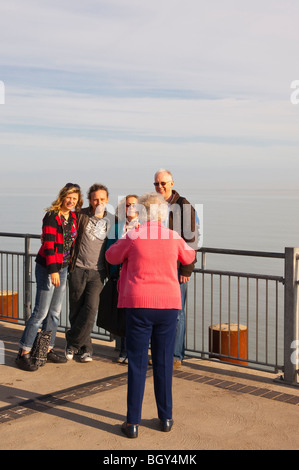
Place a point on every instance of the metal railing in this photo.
(265, 305)
(246, 301)
(17, 286)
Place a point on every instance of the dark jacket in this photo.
(182, 219)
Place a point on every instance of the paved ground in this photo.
(78, 406)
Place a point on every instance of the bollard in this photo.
(229, 339)
(9, 306)
(2, 353)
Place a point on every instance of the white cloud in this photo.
(225, 47)
(109, 79)
(147, 117)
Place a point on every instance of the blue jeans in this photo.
(179, 347)
(47, 309)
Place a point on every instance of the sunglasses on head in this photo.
(70, 185)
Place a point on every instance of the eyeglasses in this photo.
(162, 184)
(72, 185)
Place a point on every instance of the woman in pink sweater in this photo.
(150, 292)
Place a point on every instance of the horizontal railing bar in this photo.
(250, 361)
(17, 253)
(237, 274)
(264, 254)
(19, 235)
(223, 251)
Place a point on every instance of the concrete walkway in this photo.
(78, 406)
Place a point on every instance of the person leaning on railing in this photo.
(58, 236)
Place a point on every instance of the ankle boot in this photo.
(24, 362)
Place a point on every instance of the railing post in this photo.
(291, 317)
(27, 280)
(203, 260)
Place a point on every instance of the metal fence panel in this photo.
(215, 297)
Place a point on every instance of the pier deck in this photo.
(78, 406)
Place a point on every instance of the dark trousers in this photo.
(85, 286)
(159, 327)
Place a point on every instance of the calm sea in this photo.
(248, 220)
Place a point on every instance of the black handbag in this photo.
(40, 348)
(110, 317)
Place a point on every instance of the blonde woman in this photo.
(58, 235)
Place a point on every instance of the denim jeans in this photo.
(179, 347)
(47, 309)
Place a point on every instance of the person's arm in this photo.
(112, 270)
(118, 252)
(55, 279)
(184, 279)
(49, 235)
(187, 258)
(188, 229)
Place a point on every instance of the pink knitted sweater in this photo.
(149, 276)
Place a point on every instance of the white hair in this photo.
(162, 170)
(152, 207)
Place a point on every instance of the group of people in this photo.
(152, 252)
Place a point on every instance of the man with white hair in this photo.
(182, 219)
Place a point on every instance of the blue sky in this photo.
(112, 90)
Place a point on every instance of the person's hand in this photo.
(184, 279)
(55, 279)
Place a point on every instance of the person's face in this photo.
(98, 201)
(70, 202)
(166, 188)
(131, 208)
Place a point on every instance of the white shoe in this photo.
(122, 360)
(86, 357)
(69, 354)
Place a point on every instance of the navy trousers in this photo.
(159, 327)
